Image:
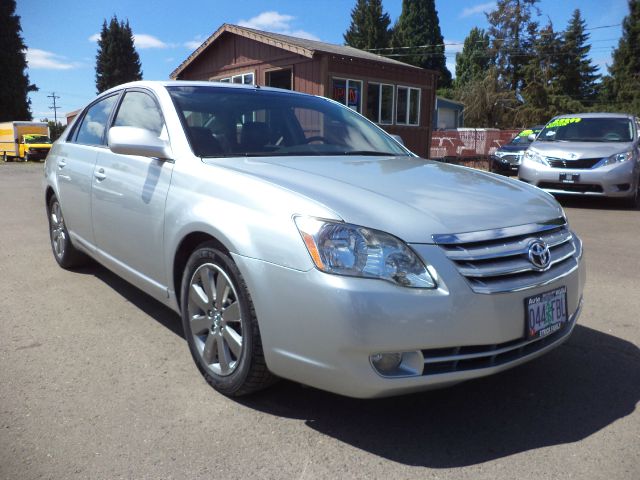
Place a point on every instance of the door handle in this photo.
(62, 163)
(100, 175)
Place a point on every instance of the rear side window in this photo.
(139, 109)
(94, 123)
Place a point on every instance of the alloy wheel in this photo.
(215, 319)
(58, 234)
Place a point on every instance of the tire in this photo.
(63, 250)
(4, 157)
(633, 202)
(26, 157)
(220, 324)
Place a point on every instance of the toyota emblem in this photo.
(539, 255)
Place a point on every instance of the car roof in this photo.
(596, 115)
(156, 84)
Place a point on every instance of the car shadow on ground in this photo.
(594, 203)
(571, 393)
(565, 396)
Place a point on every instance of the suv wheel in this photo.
(220, 324)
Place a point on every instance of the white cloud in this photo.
(476, 9)
(192, 44)
(453, 46)
(277, 23)
(141, 41)
(41, 59)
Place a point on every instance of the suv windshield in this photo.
(523, 137)
(36, 139)
(227, 122)
(579, 129)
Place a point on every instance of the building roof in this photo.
(301, 46)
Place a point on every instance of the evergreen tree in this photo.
(419, 27)
(117, 60)
(474, 60)
(14, 82)
(512, 31)
(577, 76)
(623, 85)
(369, 27)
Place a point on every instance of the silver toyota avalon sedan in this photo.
(587, 154)
(296, 239)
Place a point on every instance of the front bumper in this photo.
(618, 180)
(507, 165)
(320, 329)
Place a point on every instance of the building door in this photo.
(280, 79)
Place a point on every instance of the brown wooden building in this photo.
(397, 96)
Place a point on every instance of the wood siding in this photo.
(233, 54)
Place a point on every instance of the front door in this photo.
(128, 200)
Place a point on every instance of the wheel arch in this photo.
(186, 247)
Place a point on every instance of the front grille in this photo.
(572, 187)
(497, 261)
(459, 359)
(583, 163)
(511, 159)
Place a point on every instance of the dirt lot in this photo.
(96, 381)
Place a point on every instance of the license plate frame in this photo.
(569, 177)
(545, 313)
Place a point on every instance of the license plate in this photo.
(569, 177)
(546, 313)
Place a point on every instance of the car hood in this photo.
(513, 148)
(579, 150)
(408, 197)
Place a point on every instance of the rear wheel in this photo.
(64, 252)
(220, 324)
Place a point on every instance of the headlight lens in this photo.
(617, 158)
(534, 156)
(345, 249)
(500, 154)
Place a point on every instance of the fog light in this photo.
(386, 363)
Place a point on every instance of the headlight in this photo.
(617, 158)
(500, 154)
(533, 156)
(345, 249)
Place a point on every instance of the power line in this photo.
(54, 107)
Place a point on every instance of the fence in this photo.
(468, 146)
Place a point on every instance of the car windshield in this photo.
(227, 122)
(579, 129)
(523, 137)
(36, 139)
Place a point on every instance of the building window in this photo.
(408, 106)
(380, 103)
(244, 78)
(348, 92)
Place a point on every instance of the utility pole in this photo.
(54, 107)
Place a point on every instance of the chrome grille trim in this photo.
(500, 264)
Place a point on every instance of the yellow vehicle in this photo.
(24, 140)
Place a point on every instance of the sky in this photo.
(61, 36)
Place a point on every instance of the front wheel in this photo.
(633, 202)
(220, 324)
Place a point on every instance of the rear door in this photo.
(74, 165)
(128, 200)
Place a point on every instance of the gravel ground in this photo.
(96, 381)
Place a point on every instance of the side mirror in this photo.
(531, 137)
(398, 139)
(138, 141)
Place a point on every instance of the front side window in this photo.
(94, 123)
(228, 122)
(139, 109)
(348, 92)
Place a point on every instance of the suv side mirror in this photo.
(138, 141)
(531, 137)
